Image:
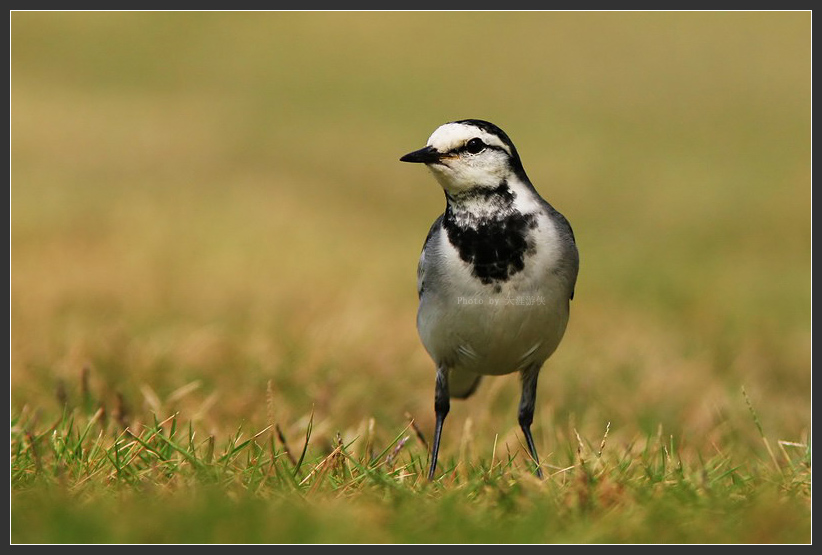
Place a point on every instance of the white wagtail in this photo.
(496, 273)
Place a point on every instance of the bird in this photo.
(496, 274)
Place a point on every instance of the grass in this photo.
(212, 270)
(83, 479)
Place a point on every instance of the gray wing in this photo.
(421, 265)
(571, 268)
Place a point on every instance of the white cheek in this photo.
(444, 176)
(462, 175)
(479, 176)
(487, 172)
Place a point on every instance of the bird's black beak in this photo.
(425, 155)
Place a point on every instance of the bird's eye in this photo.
(475, 146)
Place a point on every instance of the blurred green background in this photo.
(205, 203)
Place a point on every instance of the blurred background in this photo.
(208, 215)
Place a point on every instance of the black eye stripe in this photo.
(464, 148)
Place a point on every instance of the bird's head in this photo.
(469, 154)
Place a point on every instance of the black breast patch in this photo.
(496, 248)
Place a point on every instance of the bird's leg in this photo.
(442, 403)
(526, 410)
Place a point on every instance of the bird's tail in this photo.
(462, 385)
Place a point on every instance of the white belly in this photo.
(493, 334)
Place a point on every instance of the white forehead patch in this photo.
(454, 135)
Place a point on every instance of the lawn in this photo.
(213, 253)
